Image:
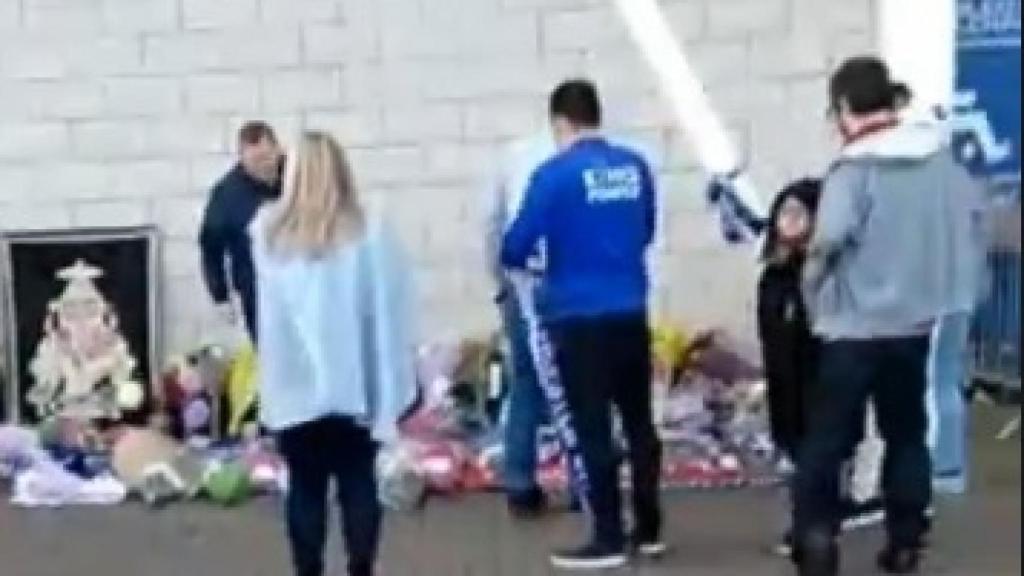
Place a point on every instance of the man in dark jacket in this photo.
(224, 239)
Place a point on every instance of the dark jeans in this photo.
(891, 374)
(605, 362)
(336, 449)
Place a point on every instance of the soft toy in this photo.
(267, 470)
(19, 448)
(441, 464)
(242, 394)
(713, 355)
(436, 414)
(401, 486)
(228, 485)
(156, 467)
(668, 343)
(192, 392)
(478, 382)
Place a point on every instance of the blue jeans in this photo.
(527, 408)
(947, 377)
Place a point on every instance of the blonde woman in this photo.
(335, 354)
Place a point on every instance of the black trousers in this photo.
(605, 362)
(891, 374)
(333, 448)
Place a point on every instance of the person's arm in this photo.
(213, 244)
(841, 214)
(530, 225)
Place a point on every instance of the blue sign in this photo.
(986, 106)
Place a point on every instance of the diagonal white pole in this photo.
(685, 92)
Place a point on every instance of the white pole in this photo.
(650, 31)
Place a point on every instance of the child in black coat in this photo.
(789, 347)
(790, 350)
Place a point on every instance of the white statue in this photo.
(83, 368)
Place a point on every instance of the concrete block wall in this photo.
(117, 112)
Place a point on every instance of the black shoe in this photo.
(784, 548)
(858, 515)
(817, 555)
(590, 558)
(896, 560)
(361, 569)
(528, 504)
(648, 545)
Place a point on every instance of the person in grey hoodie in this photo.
(897, 246)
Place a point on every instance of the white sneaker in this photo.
(863, 515)
(589, 558)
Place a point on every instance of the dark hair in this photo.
(254, 131)
(805, 190)
(865, 85)
(577, 101)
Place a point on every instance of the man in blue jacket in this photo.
(592, 210)
(224, 238)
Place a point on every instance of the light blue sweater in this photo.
(900, 240)
(335, 333)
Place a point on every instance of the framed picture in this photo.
(80, 323)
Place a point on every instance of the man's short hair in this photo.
(577, 101)
(254, 131)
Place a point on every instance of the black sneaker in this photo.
(896, 560)
(528, 504)
(590, 558)
(817, 555)
(858, 515)
(784, 548)
(648, 546)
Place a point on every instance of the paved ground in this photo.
(722, 534)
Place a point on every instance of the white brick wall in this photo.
(427, 121)
(128, 16)
(309, 88)
(110, 213)
(203, 14)
(226, 93)
(334, 43)
(132, 97)
(283, 11)
(21, 141)
(61, 99)
(728, 18)
(10, 14)
(62, 16)
(117, 112)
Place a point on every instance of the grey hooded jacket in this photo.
(901, 238)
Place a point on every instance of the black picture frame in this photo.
(29, 260)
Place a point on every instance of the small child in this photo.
(789, 348)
